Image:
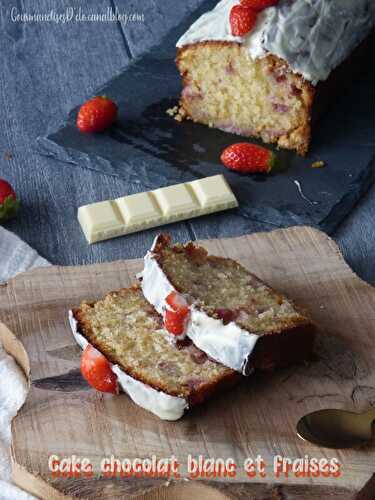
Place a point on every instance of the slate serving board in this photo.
(149, 148)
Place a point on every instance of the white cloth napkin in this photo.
(15, 257)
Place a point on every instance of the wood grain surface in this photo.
(62, 416)
(57, 66)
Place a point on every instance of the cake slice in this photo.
(233, 316)
(163, 377)
(263, 83)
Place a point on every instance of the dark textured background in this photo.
(49, 68)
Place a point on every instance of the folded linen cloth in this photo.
(15, 257)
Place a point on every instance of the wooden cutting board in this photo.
(63, 417)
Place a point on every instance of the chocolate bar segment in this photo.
(136, 212)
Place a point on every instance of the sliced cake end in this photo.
(226, 89)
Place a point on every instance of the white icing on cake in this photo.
(163, 405)
(154, 282)
(228, 344)
(313, 36)
(158, 288)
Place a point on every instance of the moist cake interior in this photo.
(226, 89)
(226, 290)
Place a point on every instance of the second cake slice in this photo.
(162, 377)
(233, 316)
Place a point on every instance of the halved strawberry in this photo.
(96, 369)
(176, 314)
(226, 315)
(177, 302)
(174, 322)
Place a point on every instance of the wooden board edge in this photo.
(73, 268)
(35, 485)
(367, 492)
(293, 229)
(14, 347)
(185, 490)
(324, 237)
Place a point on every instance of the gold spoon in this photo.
(337, 428)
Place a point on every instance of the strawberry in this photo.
(258, 5)
(176, 315)
(177, 302)
(248, 158)
(95, 368)
(9, 204)
(226, 315)
(96, 115)
(174, 322)
(242, 20)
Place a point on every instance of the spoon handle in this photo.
(370, 414)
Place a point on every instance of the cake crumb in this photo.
(177, 113)
(181, 115)
(318, 164)
(172, 111)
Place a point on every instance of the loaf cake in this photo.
(233, 316)
(263, 84)
(162, 377)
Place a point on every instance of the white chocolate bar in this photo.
(136, 212)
